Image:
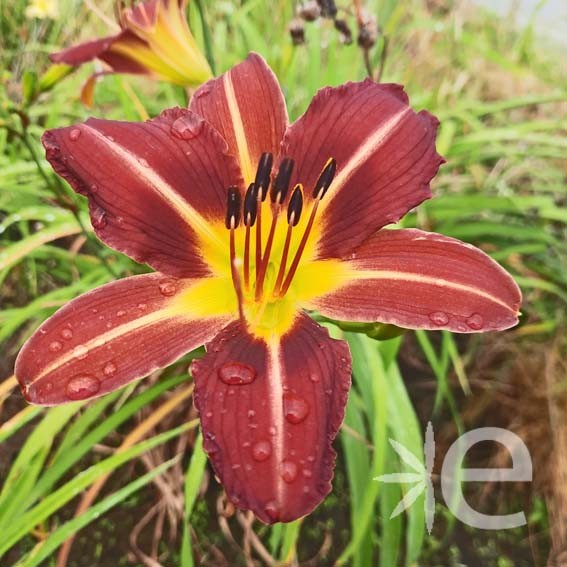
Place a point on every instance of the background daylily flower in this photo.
(250, 222)
(154, 40)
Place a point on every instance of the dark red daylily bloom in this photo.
(154, 40)
(250, 222)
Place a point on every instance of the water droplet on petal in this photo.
(55, 346)
(82, 387)
(187, 127)
(94, 188)
(288, 471)
(143, 162)
(120, 313)
(81, 352)
(296, 408)
(168, 287)
(272, 511)
(314, 377)
(272, 430)
(251, 413)
(203, 91)
(109, 369)
(236, 373)
(261, 450)
(141, 306)
(74, 134)
(67, 334)
(98, 217)
(439, 318)
(475, 321)
(307, 473)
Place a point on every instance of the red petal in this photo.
(269, 426)
(385, 155)
(422, 280)
(152, 186)
(79, 54)
(108, 337)
(246, 105)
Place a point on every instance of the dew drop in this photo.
(209, 414)
(109, 369)
(307, 473)
(98, 217)
(81, 352)
(203, 91)
(272, 430)
(261, 450)
(251, 413)
(296, 408)
(55, 346)
(143, 162)
(187, 127)
(168, 287)
(120, 313)
(314, 377)
(475, 321)
(272, 511)
(67, 334)
(82, 387)
(141, 306)
(439, 318)
(94, 188)
(74, 134)
(288, 471)
(236, 373)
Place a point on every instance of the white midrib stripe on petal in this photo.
(148, 175)
(364, 152)
(239, 132)
(418, 278)
(108, 336)
(276, 378)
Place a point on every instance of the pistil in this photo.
(231, 222)
(250, 213)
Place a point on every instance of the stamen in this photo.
(325, 179)
(262, 182)
(232, 208)
(278, 194)
(281, 182)
(232, 221)
(250, 210)
(263, 173)
(293, 215)
(321, 187)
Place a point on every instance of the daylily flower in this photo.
(251, 223)
(154, 40)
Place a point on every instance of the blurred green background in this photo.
(126, 475)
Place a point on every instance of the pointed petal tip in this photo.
(269, 414)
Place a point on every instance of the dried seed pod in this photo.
(309, 11)
(368, 32)
(297, 31)
(345, 34)
(328, 8)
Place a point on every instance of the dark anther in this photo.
(295, 205)
(325, 179)
(342, 27)
(263, 172)
(280, 185)
(309, 11)
(250, 206)
(297, 31)
(328, 8)
(368, 33)
(232, 207)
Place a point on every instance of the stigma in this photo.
(277, 231)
